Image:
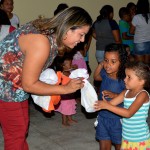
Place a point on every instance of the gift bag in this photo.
(47, 102)
(88, 93)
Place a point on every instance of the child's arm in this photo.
(125, 36)
(97, 76)
(139, 101)
(109, 94)
(115, 101)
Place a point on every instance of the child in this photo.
(130, 56)
(78, 57)
(8, 6)
(111, 72)
(136, 100)
(124, 26)
(132, 9)
(67, 105)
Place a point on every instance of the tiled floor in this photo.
(47, 133)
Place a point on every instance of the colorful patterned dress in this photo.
(11, 61)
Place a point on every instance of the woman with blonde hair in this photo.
(24, 54)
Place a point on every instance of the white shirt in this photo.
(142, 29)
(15, 21)
(4, 30)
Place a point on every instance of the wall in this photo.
(30, 9)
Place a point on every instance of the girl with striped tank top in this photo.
(135, 133)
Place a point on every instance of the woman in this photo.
(105, 31)
(140, 27)
(25, 53)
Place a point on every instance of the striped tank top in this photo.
(135, 129)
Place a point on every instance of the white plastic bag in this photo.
(48, 76)
(88, 93)
(88, 97)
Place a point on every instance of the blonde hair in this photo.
(71, 18)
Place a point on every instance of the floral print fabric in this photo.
(11, 61)
(126, 145)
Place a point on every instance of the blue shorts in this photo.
(109, 129)
(99, 55)
(142, 48)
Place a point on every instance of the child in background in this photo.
(8, 6)
(130, 56)
(124, 26)
(132, 9)
(60, 7)
(78, 56)
(67, 105)
(112, 73)
(136, 135)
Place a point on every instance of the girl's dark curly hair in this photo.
(123, 57)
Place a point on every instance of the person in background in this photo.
(112, 73)
(60, 7)
(38, 41)
(5, 27)
(8, 6)
(105, 31)
(135, 133)
(132, 9)
(130, 56)
(87, 43)
(124, 26)
(67, 105)
(140, 27)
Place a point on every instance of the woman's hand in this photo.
(73, 85)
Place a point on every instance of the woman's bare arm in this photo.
(36, 49)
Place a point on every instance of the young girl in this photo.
(111, 72)
(67, 105)
(136, 105)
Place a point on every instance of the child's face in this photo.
(7, 6)
(111, 63)
(73, 37)
(67, 65)
(133, 10)
(132, 81)
(127, 17)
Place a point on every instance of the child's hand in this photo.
(108, 94)
(100, 104)
(101, 64)
(74, 67)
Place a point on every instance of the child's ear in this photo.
(142, 82)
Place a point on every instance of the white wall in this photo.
(28, 10)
